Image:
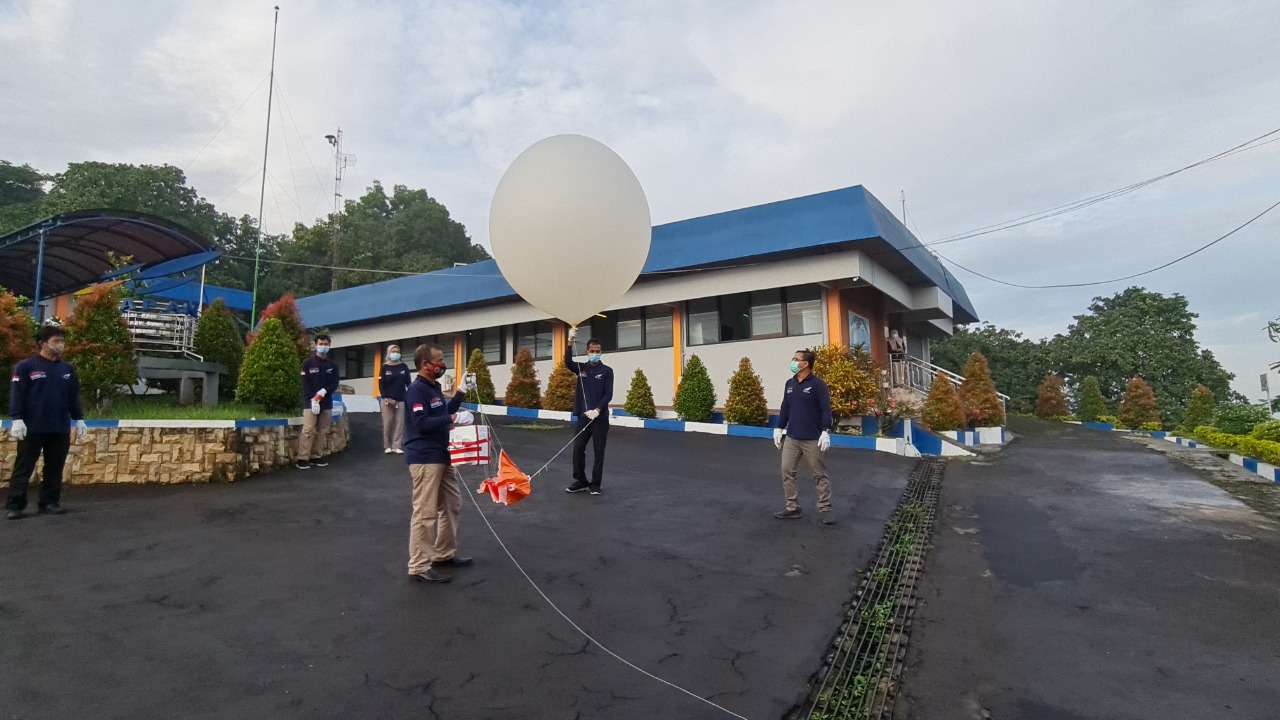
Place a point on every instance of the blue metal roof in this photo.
(826, 222)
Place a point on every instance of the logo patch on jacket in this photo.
(437, 402)
(808, 389)
(313, 371)
(36, 375)
(417, 407)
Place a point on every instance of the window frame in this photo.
(550, 333)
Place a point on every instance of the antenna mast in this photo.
(262, 196)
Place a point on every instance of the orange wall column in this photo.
(677, 343)
(559, 333)
(377, 368)
(835, 317)
(459, 357)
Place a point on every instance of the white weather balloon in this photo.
(570, 226)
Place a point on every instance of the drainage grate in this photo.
(860, 674)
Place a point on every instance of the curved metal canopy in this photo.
(68, 252)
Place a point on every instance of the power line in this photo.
(225, 124)
(1158, 268)
(298, 132)
(1102, 197)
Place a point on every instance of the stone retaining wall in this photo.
(171, 451)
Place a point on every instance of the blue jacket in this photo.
(318, 372)
(395, 380)
(595, 385)
(45, 394)
(428, 417)
(806, 408)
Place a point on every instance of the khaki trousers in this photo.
(392, 424)
(314, 428)
(433, 528)
(792, 451)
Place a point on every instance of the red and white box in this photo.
(469, 445)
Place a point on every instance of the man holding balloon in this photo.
(591, 405)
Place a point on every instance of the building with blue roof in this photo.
(758, 282)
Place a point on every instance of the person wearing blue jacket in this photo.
(44, 398)
(319, 383)
(393, 385)
(437, 497)
(804, 431)
(591, 406)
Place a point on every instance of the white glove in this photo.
(315, 406)
(322, 393)
(81, 429)
(824, 441)
(592, 413)
(464, 417)
(777, 437)
(19, 430)
(573, 334)
(468, 383)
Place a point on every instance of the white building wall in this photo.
(658, 365)
(769, 358)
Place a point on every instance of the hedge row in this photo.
(1267, 451)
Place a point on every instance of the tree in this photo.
(218, 340)
(524, 389)
(640, 397)
(978, 394)
(21, 192)
(270, 377)
(1138, 406)
(1137, 332)
(17, 339)
(1239, 418)
(560, 390)
(746, 404)
(1092, 404)
(696, 397)
(1199, 410)
(286, 311)
(1017, 364)
(100, 347)
(850, 376)
(1050, 400)
(484, 381)
(942, 410)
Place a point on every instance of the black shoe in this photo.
(576, 487)
(322, 462)
(302, 465)
(827, 517)
(430, 576)
(52, 510)
(13, 514)
(454, 561)
(596, 490)
(788, 514)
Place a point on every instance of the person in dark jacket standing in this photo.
(804, 431)
(591, 405)
(319, 383)
(44, 399)
(393, 384)
(437, 497)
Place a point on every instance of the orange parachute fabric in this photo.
(510, 487)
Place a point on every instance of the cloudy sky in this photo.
(979, 111)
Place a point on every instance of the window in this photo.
(657, 326)
(794, 310)
(351, 364)
(804, 310)
(537, 336)
(409, 346)
(580, 342)
(490, 341)
(630, 330)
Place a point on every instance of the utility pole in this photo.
(262, 196)
(341, 161)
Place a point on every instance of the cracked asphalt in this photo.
(1080, 576)
(286, 595)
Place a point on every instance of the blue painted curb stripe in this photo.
(1251, 465)
(926, 442)
(752, 431)
(1098, 425)
(275, 422)
(677, 425)
(522, 413)
(862, 442)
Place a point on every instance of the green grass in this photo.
(166, 407)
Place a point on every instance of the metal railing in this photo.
(917, 375)
(169, 333)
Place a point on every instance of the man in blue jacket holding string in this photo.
(437, 495)
(591, 405)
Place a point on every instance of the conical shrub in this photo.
(640, 397)
(978, 394)
(746, 404)
(850, 376)
(1092, 404)
(271, 374)
(100, 347)
(942, 410)
(696, 396)
(1138, 407)
(286, 311)
(560, 389)
(1199, 410)
(218, 340)
(523, 390)
(17, 339)
(484, 380)
(1051, 401)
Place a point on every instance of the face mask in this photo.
(322, 350)
(394, 357)
(795, 366)
(439, 369)
(594, 357)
